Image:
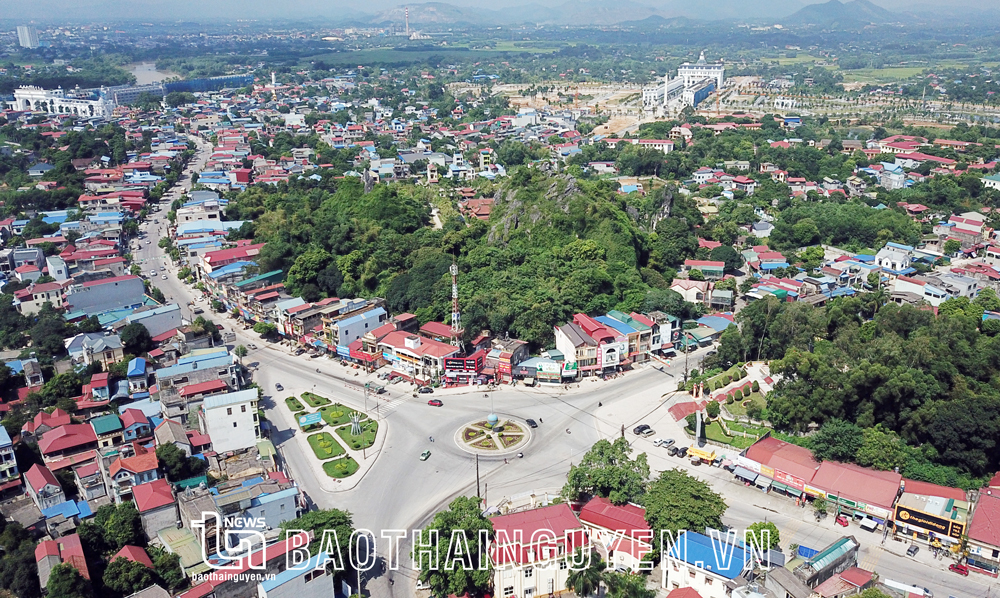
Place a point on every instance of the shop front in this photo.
(935, 530)
(464, 370)
(549, 373)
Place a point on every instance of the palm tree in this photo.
(627, 585)
(584, 582)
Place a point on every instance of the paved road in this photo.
(401, 492)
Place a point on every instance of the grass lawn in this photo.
(368, 430)
(337, 414)
(737, 407)
(340, 468)
(314, 400)
(719, 378)
(715, 433)
(324, 446)
(294, 405)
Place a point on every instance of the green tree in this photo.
(837, 440)
(265, 329)
(586, 581)
(240, 351)
(167, 566)
(696, 275)
(712, 409)
(607, 470)
(135, 338)
(334, 520)
(627, 585)
(66, 582)
(725, 253)
(465, 575)
(881, 449)
(952, 246)
(765, 533)
(177, 465)
(677, 501)
(820, 505)
(127, 577)
(987, 299)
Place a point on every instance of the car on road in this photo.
(152, 273)
(425, 390)
(164, 277)
(425, 455)
(663, 443)
(638, 430)
(531, 423)
(147, 241)
(912, 550)
(252, 346)
(299, 351)
(672, 451)
(958, 568)
(647, 432)
(682, 452)
(279, 387)
(435, 403)
(842, 520)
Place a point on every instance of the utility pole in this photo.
(477, 477)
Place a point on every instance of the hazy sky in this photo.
(250, 9)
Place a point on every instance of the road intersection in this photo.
(395, 490)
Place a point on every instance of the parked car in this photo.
(531, 423)
(672, 451)
(252, 346)
(647, 432)
(152, 273)
(299, 351)
(682, 452)
(640, 429)
(164, 277)
(912, 550)
(279, 387)
(435, 403)
(663, 443)
(842, 520)
(958, 568)
(425, 390)
(425, 455)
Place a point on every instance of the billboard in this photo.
(310, 419)
(913, 518)
(611, 354)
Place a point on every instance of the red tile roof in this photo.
(857, 483)
(57, 418)
(519, 529)
(857, 577)
(132, 417)
(39, 476)
(789, 458)
(152, 495)
(203, 387)
(601, 512)
(684, 593)
(113, 279)
(134, 554)
(67, 437)
(985, 526)
(138, 463)
(436, 329)
(928, 489)
(68, 549)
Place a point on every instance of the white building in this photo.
(58, 101)
(231, 420)
(693, 74)
(309, 580)
(27, 36)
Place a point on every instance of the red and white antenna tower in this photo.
(456, 316)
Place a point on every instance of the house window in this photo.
(234, 424)
(528, 572)
(229, 411)
(243, 408)
(563, 564)
(508, 591)
(691, 573)
(708, 580)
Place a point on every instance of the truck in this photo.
(908, 589)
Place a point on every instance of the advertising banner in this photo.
(939, 525)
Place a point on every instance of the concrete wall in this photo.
(157, 519)
(103, 297)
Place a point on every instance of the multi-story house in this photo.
(108, 429)
(620, 530)
(692, 562)
(90, 480)
(43, 487)
(576, 346)
(135, 465)
(8, 464)
(530, 551)
(231, 420)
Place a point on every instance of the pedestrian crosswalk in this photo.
(870, 560)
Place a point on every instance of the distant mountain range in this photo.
(839, 15)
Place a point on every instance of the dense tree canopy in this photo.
(608, 471)
(465, 575)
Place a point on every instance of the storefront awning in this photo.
(745, 474)
(869, 524)
(784, 488)
(763, 482)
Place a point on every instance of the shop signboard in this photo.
(765, 470)
(746, 463)
(788, 480)
(939, 525)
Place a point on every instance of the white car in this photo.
(152, 273)
(663, 443)
(164, 277)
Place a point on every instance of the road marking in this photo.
(872, 558)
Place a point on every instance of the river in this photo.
(146, 73)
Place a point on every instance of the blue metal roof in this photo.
(136, 367)
(614, 324)
(291, 573)
(714, 555)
